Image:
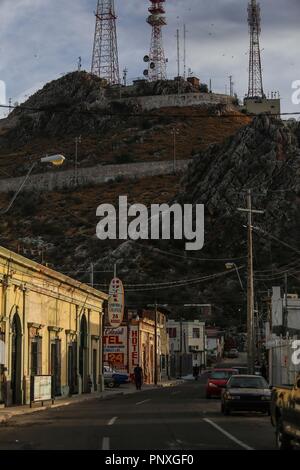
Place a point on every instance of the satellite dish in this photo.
(146, 58)
(152, 65)
(146, 73)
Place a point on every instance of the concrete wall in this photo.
(93, 175)
(148, 103)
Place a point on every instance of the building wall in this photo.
(46, 308)
(263, 105)
(98, 174)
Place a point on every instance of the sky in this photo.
(40, 40)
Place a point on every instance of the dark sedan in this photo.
(246, 393)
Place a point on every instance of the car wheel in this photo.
(208, 396)
(111, 384)
(227, 410)
(222, 408)
(283, 441)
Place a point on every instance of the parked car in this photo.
(118, 377)
(217, 381)
(233, 353)
(285, 415)
(246, 393)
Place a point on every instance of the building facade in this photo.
(50, 325)
(134, 343)
(187, 345)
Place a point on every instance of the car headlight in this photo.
(212, 385)
(233, 397)
(266, 398)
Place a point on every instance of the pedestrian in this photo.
(138, 377)
(263, 371)
(196, 370)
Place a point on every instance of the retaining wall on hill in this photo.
(93, 175)
(148, 103)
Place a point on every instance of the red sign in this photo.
(133, 347)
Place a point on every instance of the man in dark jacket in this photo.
(138, 377)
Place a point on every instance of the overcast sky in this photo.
(42, 39)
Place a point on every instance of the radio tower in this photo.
(255, 89)
(105, 62)
(157, 61)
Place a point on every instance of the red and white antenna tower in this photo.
(255, 89)
(105, 62)
(157, 61)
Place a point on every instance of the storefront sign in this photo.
(115, 347)
(116, 303)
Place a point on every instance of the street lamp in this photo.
(234, 266)
(56, 160)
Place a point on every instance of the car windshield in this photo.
(247, 382)
(221, 374)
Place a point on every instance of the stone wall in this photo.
(148, 103)
(93, 175)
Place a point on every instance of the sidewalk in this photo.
(7, 413)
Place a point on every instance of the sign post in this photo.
(41, 389)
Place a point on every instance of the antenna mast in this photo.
(105, 61)
(255, 89)
(157, 61)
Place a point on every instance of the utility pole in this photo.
(285, 316)
(175, 132)
(92, 274)
(184, 51)
(155, 346)
(250, 289)
(231, 85)
(77, 142)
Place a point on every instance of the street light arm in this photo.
(5, 211)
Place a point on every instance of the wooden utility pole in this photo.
(250, 288)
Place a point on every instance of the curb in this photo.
(28, 411)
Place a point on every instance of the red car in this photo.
(217, 381)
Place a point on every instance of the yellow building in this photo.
(50, 324)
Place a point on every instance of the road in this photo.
(175, 418)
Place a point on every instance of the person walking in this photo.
(138, 377)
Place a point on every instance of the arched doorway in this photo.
(83, 354)
(16, 358)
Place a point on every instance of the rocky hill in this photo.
(77, 105)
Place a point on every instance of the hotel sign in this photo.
(116, 303)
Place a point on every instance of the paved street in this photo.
(175, 418)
